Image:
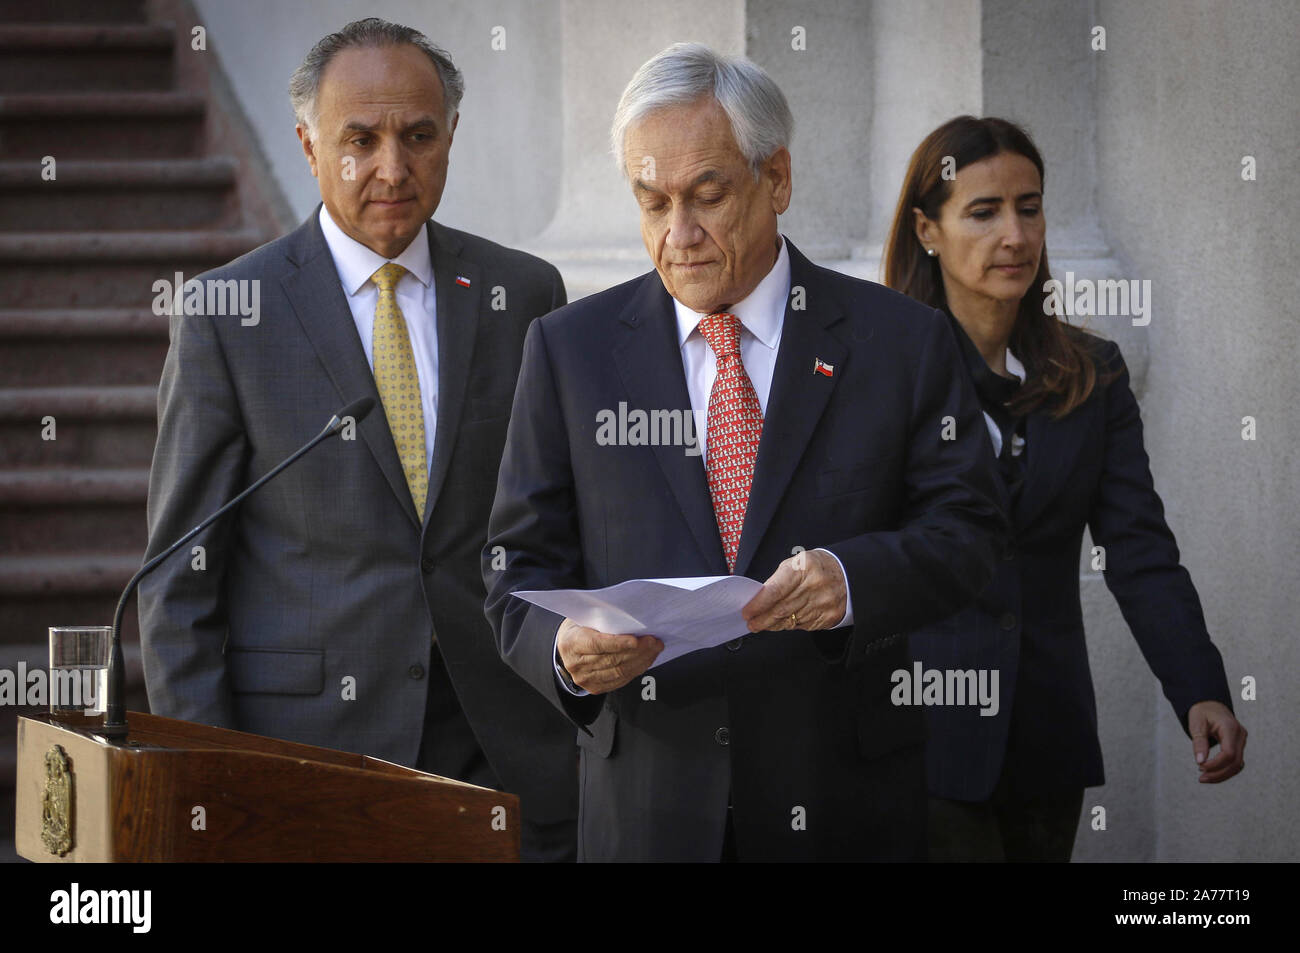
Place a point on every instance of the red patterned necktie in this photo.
(734, 426)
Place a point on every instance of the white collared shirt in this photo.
(416, 297)
(1016, 369)
(762, 316)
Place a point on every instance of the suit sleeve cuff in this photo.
(576, 691)
(848, 595)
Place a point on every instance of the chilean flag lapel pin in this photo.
(821, 367)
(462, 281)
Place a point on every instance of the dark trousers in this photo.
(729, 840)
(449, 749)
(1005, 828)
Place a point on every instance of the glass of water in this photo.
(79, 673)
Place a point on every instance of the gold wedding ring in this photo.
(794, 621)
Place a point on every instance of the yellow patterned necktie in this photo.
(399, 384)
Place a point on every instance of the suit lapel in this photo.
(1051, 447)
(795, 404)
(649, 361)
(317, 298)
(457, 323)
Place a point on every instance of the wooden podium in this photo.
(179, 791)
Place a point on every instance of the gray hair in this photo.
(760, 117)
(370, 32)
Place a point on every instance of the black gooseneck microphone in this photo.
(114, 727)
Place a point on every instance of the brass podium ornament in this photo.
(56, 803)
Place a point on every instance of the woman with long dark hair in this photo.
(1007, 778)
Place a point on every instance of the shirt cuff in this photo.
(560, 678)
(848, 594)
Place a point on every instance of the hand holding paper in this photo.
(808, 591)
(598, 641)
(601, 662)
(684, 614)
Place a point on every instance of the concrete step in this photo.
(81, 348)
(25, 616)
(37, 592)
(108, 269)
(120, 442)
(119, 194)
(72, 510)
(93, 426)
(128, 323)
(101, 125)
(67, 575)
(72, 11)
(77, 403)
(63, 528)
(57, 57)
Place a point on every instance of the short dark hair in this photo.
(370, 32)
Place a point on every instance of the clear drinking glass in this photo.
(79, 673)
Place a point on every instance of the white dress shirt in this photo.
(1016, 369)
(415, 294)
(762, 317)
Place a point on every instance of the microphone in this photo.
(114, 727)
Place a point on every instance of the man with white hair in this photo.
(845, 464)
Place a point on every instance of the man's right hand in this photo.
(600, 662)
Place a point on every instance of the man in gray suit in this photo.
(342, 605)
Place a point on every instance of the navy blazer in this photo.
(794, 729)
(1087, 469)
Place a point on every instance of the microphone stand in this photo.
(115, 727)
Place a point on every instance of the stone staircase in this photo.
(152, 173)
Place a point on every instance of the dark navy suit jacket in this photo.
(795, 729)
(1087, 469)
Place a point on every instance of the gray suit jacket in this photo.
(313, 617)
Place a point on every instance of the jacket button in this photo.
(426, 564)
(722, 736)
(1008, 621)
(1009, 554)
(735, 644)
(416, 671)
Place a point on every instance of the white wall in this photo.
(1184, 91)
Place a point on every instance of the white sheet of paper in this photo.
(689, 613)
